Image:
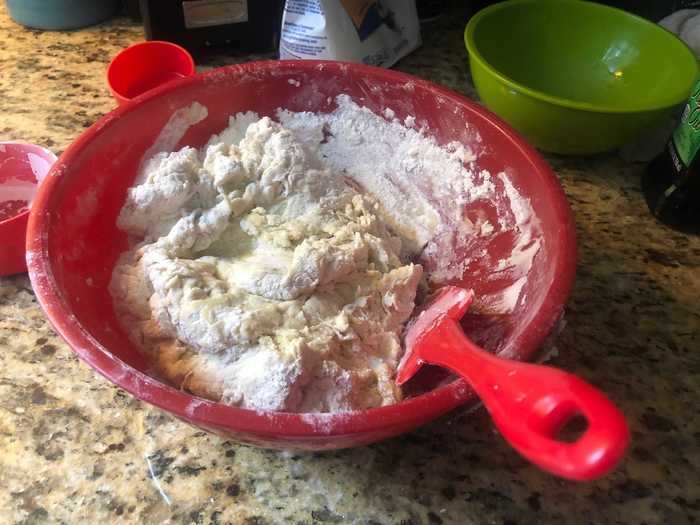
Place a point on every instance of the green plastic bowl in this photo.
(576, 77)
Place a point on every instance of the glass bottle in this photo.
(671, 182)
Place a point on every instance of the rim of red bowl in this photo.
(419, 409)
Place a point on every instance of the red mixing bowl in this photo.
(73, 241)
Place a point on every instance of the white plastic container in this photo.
(374, 32)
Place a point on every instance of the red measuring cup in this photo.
(146, 65)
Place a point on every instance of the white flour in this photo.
(408, 173)
(425, 190)
(264, 280)
(243, 239)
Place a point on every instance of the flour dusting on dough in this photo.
(277, 265)
(264, 279)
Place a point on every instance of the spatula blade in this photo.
(450, 302)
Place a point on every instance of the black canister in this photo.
(200, 25)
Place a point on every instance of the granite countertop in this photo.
(75, 449)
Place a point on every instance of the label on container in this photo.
(207, 13)
(686, 138)
(367, 31)
(365, 15)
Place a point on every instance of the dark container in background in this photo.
(429, 10)
(653, 10)
(246, 25)
(132, 9)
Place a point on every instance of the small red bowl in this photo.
(22, 167)
(73, 241)
(145, 66)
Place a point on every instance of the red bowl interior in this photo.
(23, 163)
(73, 241)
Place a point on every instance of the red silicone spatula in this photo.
(528, 403)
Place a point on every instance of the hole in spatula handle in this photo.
(572, 429)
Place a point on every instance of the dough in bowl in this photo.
(263, 279)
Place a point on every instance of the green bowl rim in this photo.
(560, 101)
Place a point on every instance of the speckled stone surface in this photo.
(75, 449)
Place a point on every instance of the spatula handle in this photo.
(530, 404)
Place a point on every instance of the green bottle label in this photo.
(686, 138)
